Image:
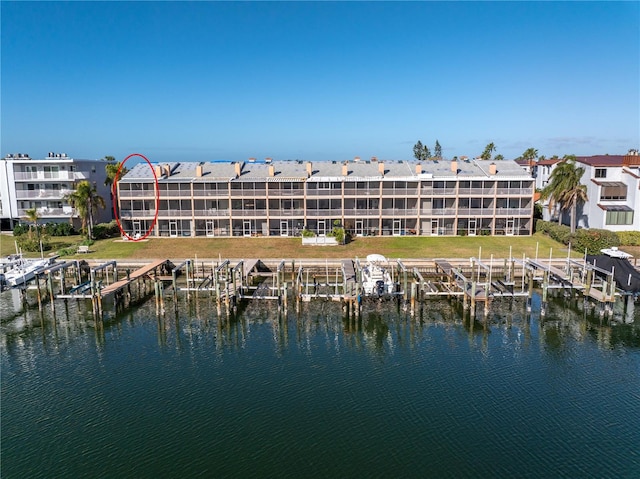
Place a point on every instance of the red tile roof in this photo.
(601, 160)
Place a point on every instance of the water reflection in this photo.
(381, 329)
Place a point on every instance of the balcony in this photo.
(260, 213)
(212, 212)
(438, 192)
(130, 214)
(45, 212)
(438, 212)
(399, 211)
(285, 193)
(357, 213)
(128, 194)
(249, 193)
(41, 194)
(296, 213)
(476, 191)
(58, 176)
(210, 193)
(514, 192)
(514, 212)
(387, 192)
(323, 213)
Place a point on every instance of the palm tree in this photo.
(565, 189)
(530, 154)
(112, 168)
(489, 149)
(32, 216)
(86, 201)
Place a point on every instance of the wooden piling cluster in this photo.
(476, 282)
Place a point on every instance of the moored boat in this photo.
(376, 278)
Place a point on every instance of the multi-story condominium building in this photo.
(27, 183)
(281, 198)
(613, 191)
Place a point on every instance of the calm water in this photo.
(318, 395)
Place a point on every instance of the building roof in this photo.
(548, 162)
(296, 170)
(601, 160)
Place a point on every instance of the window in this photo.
(619, 217)
(601, 173)
(614, 192)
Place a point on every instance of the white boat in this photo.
(376, 278)
(614, 252)
(25, 271)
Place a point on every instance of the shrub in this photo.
(106, 230)
(20, 229)
(593, 240)
(67, 251)
(629, 238)
(31, 243)
(307, 233)
(59, 229)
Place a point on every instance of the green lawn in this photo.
(291, 248)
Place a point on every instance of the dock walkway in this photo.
(145, 270)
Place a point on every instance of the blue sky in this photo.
(232, 80)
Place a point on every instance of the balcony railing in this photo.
(42, 176)
(210, 193)
(400, 191)
(286, 193)
(476, 191)
(296, 212)
(237, 213)
(250, 193)
(354, 212)
(212, 212)
(323, 212)
(399, 211)
(426, 191)
(46, 212)
(514, 211)
(126, 194)
(29, 194)
(438, 212)
(515, 191)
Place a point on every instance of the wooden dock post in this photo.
(530, 292)
(473, 298)
(52, 296)
(38, 292)
(545, 288)
(413, 298)
(284, 287)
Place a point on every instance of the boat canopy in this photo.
(376, 258)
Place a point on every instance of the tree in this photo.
(86, 201)
(32, 216)
(565, 189)
(488, 151)
(417, 151)
(530, 154)
(112, 167)
(437, 150)
(498, 158)
(421, 152)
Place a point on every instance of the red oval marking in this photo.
(157, 197)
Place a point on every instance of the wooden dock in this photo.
(144, 271)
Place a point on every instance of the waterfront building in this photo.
(613, 191)
(27, 183)
(282, 198)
